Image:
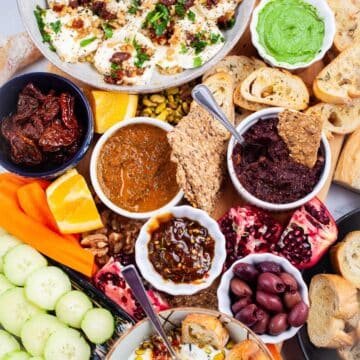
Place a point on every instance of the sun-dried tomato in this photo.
(33, 129)
(26, 106)
(25, 151)
(49, 109)
(99, 8)
(56, 136)
(67, 111)
(120, 56)
(77, 24)
(31, 90)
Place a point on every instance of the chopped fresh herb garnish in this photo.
(158, 19)
(199, 43)
(141, 55)
(184, 49)
(180, 10)
(227, 24)
(197, 61)
(191, 16)
(56, 26)
(88, 41)
(39, 13)
(108, 30)
(115, 66)
(214, 38)
(134, 6)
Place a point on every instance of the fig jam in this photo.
(181, 249)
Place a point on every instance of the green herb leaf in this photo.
(115, 66)
(197, 61)
(88, 41)
(183, 49)
(214, 38)
(134, 6)
(199, 44)
(180, 10)
(141, 56)
(39, 13)
(191, 16)
(108, 30)
(56, 26)
(158, 19)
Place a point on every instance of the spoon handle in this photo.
(203, 96)
(132, 277)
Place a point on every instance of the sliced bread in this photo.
(347, 171)
(275, 87)
(347, 17)
(337, 118)
(339, 82)
(332, 301)
(345, 257)
(202, 329)
(239, 67)
(350, 352)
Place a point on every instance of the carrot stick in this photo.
(33, 201)
(43, 239)
(274, 351)
(16, 179)
(9, 188)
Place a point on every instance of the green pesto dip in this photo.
(291, 31)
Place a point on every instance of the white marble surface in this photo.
(340, 200)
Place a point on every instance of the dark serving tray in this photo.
(347, 223)
(123, 321)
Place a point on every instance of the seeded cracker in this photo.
(302, 135)
(199, 148)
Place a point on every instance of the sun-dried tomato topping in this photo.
(119, 57)
(99, 8)
(77, 23)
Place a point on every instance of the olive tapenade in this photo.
(181, 250)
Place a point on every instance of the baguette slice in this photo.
(221, 85)
(350, 352)
(332, 301)
(202, 329)
(246, 350)
(347, 17)
(348, 168)
(275, 87)
(240, 67)
(337, 118)
(339, 82)
(345, 257)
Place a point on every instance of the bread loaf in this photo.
(347, 172)
(347, 16)
(202, 330)
(337, 118)
(339, 82)
(332, 301)
(275, 87)
(345, 257)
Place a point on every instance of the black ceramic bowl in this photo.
(45, 82)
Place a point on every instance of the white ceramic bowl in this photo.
(224, 288)
(93, 169)
(86, 73)
(130, 341)
(324, 12)
(245, 125)
(168, 286)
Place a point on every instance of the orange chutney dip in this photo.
(134, 168)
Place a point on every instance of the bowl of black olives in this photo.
(266, 293)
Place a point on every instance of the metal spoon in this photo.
(132, 277)
(203, 96)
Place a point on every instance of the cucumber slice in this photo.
(7, 242)
(15, 310)
(37, 330)
(5, 284)
(66, 344)
(20, 262)
(16, 355)
(45, 286)
(98, 325)
(7, 343)
(72, 307)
